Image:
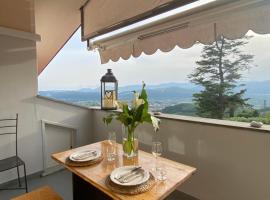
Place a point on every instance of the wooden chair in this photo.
(9, 126)
(43, 193)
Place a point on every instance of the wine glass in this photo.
(156, 151)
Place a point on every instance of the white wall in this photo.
(18, 85)
(232, 163)
(18, 90)
(73, 116)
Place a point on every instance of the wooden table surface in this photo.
(96, 174)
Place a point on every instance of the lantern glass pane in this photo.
(109, 86)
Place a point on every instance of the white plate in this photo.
(118, 172)
(75, 156)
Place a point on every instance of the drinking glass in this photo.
(161, 173)
(111, 148)
(156, 151)
(112, 137)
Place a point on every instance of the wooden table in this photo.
(90, 181)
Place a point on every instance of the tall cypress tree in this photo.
(218, 72)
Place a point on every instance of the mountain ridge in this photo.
(263, 85)
(169, 93)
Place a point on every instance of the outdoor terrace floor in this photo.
(62, 184)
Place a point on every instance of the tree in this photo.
(218, 72)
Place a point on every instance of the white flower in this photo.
(136, 101)
(139, 102)
(120, 104)
(155, 123)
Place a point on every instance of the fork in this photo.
(127, 174)
(132, 177)
(86, 155)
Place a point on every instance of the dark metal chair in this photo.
(9, 126)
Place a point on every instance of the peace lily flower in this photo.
(136, 114)
(136, 100)
(155, 123)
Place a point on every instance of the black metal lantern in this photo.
(109, 91)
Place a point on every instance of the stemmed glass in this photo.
(156, 151)
(160, 170)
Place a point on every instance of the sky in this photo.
(75, 67)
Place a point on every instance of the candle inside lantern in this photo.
(109, 99)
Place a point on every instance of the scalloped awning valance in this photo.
(204, 24)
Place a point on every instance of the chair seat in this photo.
(11, 162)
(43, 193)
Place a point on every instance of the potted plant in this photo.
(131, 117)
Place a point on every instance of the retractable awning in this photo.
(103, 16)
(205, 23)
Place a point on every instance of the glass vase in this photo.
(130, 142)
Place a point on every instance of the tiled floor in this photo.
(61, 183)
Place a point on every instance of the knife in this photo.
(85, 155)
(131, 178)
(127, 174)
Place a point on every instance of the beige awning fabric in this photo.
(101, 14)
(203, 24)
(56, 21)
(18, 15)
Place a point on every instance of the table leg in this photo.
(83, 190)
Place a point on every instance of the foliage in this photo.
(265, 112)
(247, 113)
(181, 109)
(264, 120)
(267, 115)
(217, 72)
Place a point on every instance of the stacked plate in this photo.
(129, 176)
(85, 156)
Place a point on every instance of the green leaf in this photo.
(107, 120)
(147, 118)
(143, 94)
(139, 114)
(125, 118)
(145, 114)
(125, 109)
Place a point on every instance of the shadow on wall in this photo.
(15, 51)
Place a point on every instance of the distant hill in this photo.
(138, 87)
(162, 92)
(187, 109)
(71, 96)
(171, 93)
